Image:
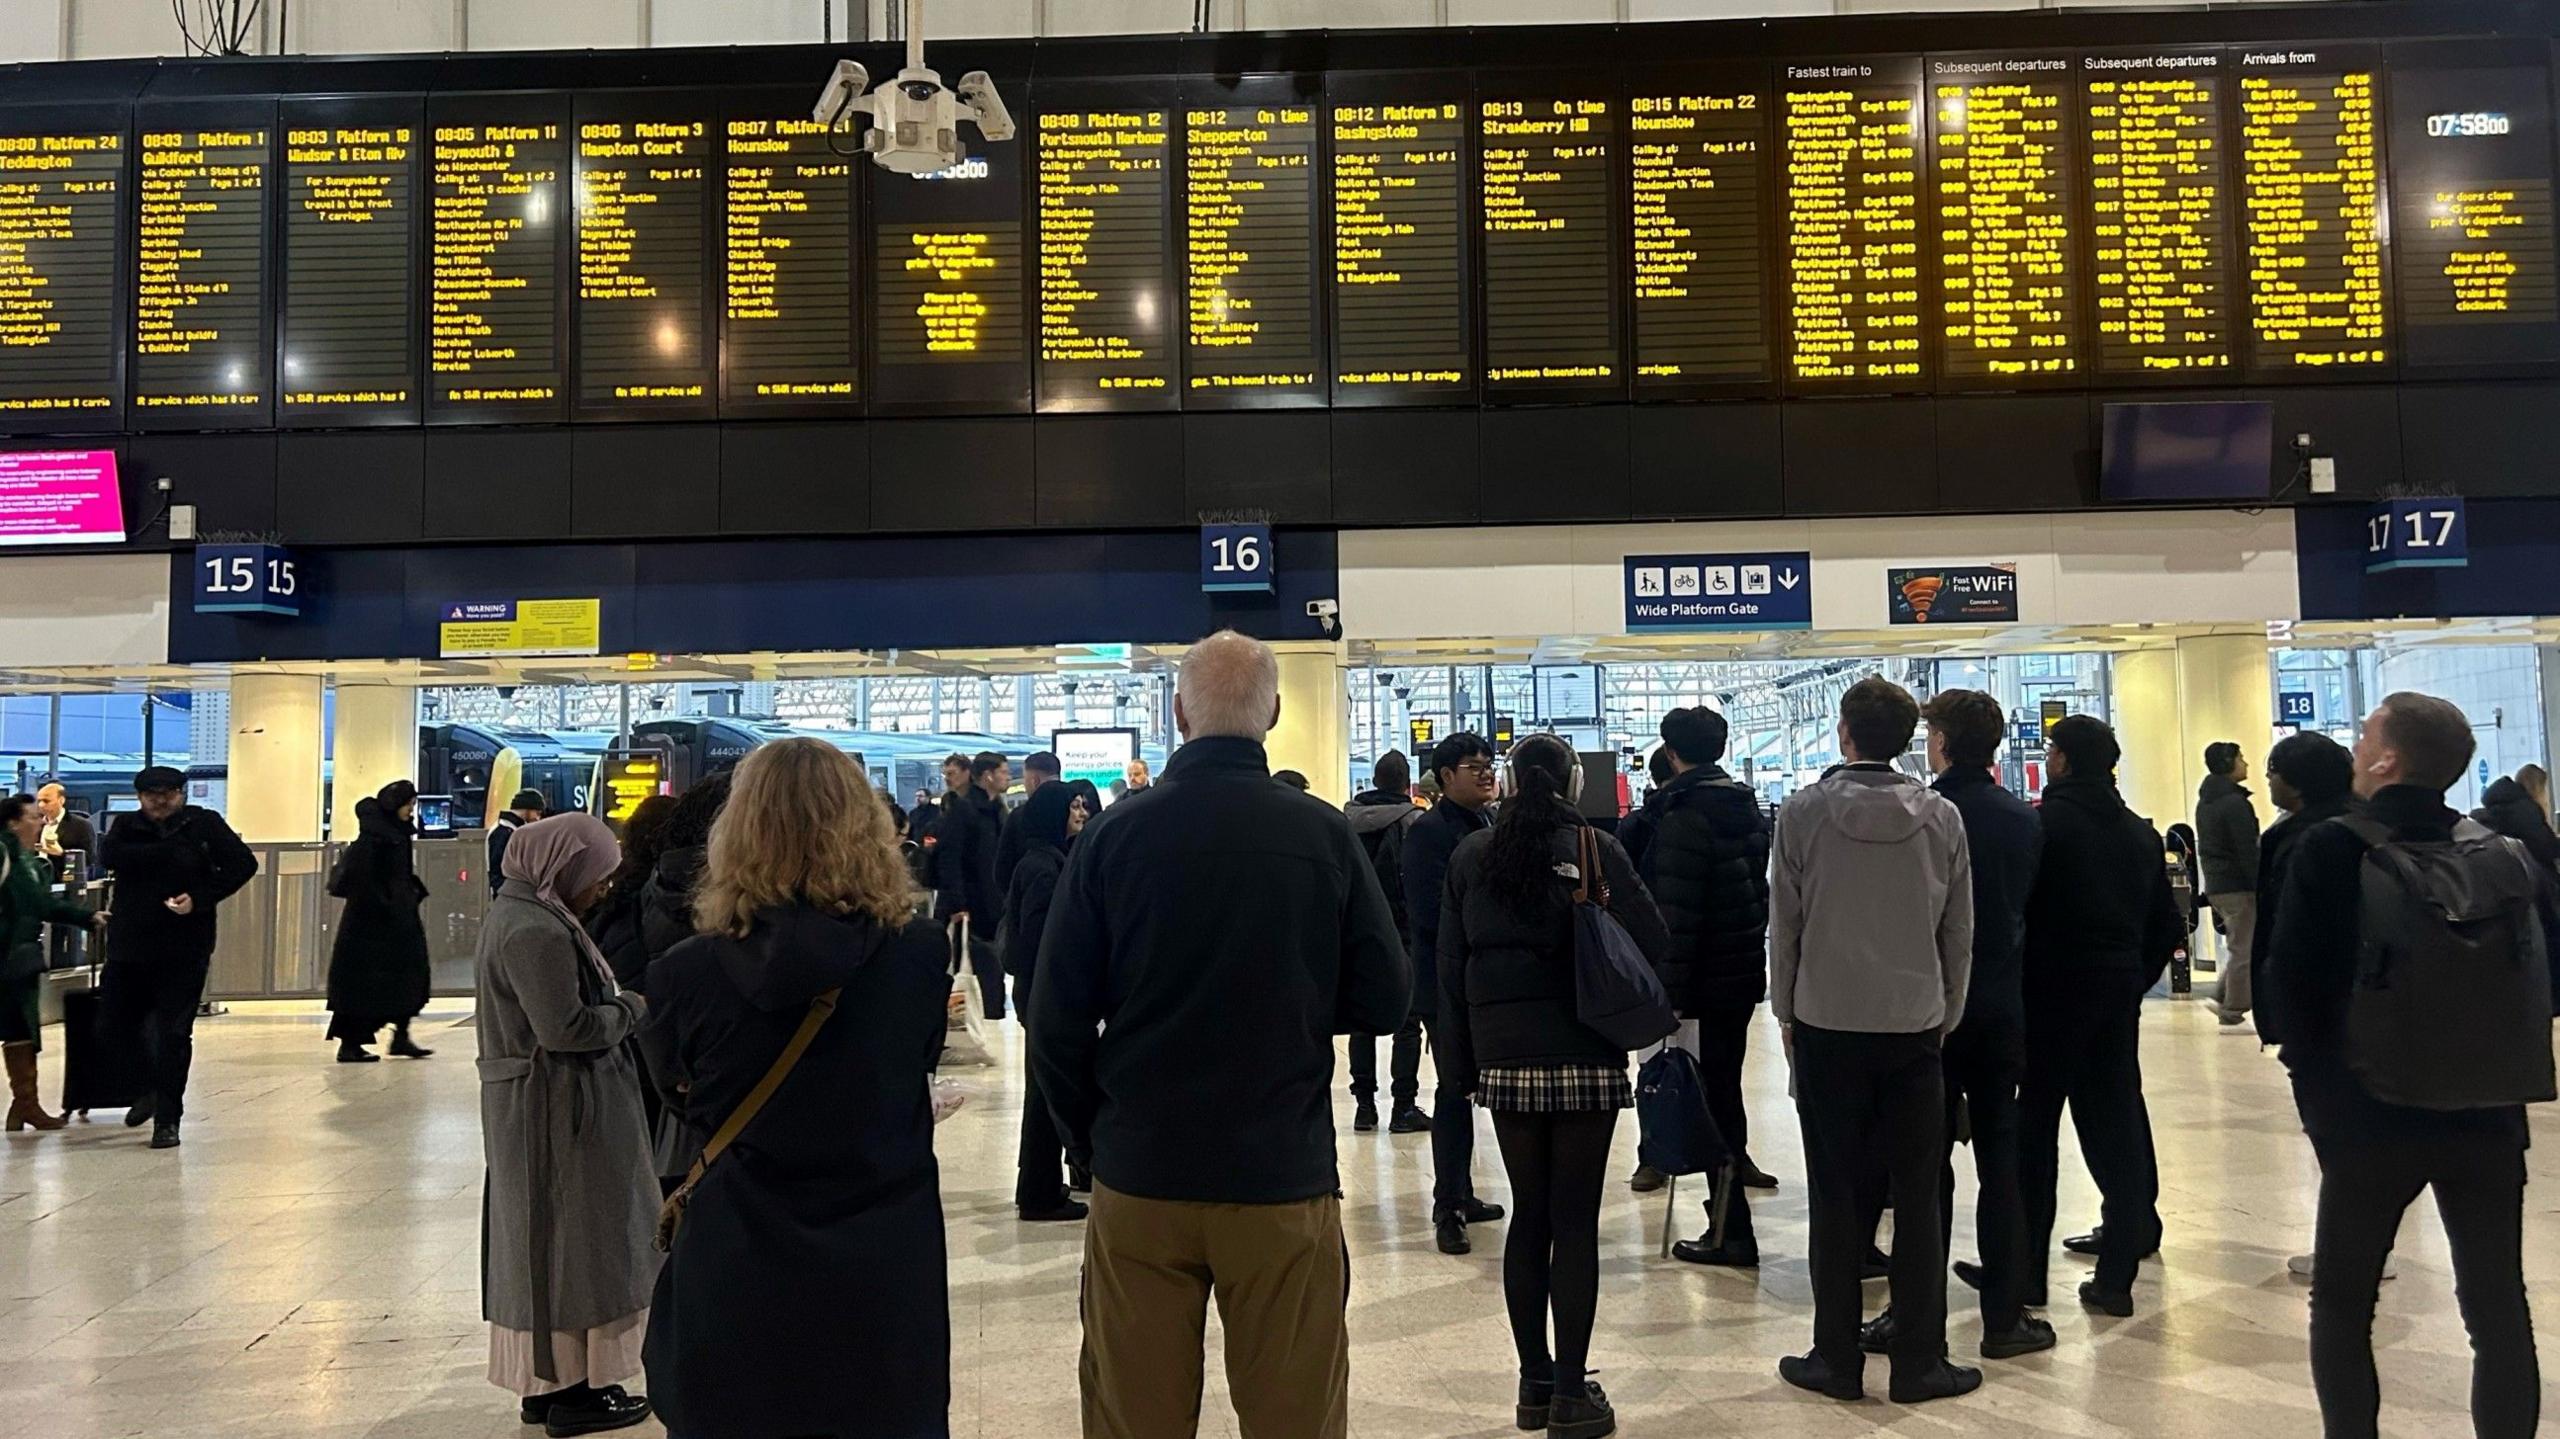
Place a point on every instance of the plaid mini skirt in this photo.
(1553, 1088)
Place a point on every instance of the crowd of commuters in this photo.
(705, 1050)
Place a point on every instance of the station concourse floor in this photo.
(308, 1265)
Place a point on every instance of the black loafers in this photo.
(608, 1408)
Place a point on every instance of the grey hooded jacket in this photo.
(1871, 906)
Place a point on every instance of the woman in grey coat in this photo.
(571, 1207)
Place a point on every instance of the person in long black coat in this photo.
(806, 1292)
(378, 969)
(1047, 824)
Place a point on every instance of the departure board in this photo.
(2159, 212)
(1547, 206)
(1856, 273)
(643, 268)
(948, 327)
(496, 177)
(1696, 159)
(2471, 183)
(790, 263)
(350, 333)
(1249, 264)
(1400, 300)
(2311, 179)
(61, 232)
(2007, 191)
(200, 337)
(1106, 318)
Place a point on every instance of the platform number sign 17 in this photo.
(1236, 559)
(2417, 534)
(247, 580)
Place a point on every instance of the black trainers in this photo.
(599, 1410)
(1727, 1255)
(1586, 1415)
(2115, 1302)
(1945, 1381)
(2032, 1336)
(1450, 1232)
(1537, 1397)
(1409, 1119)
(1809, 1371)
(1364, 1119)
(164, 1135)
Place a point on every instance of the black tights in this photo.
(1558, 1165)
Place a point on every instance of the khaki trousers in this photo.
(1282, 1280)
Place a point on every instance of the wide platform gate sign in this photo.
(1755, 590)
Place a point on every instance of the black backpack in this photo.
(2452, 1002)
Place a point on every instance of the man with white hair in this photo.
(1212, 934)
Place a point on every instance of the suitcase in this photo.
(94, 1075)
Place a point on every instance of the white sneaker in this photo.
(2300, 1266)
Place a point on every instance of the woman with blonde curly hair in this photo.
(805, 1292)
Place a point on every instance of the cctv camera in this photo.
(1324, 609)
(842, 95)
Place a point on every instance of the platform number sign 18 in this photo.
(2417, 534)
(247, 580)
(1236, 559)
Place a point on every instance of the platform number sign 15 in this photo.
(2417, 534)
(247, 580)
(1236, 559)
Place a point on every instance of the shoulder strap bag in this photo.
(671, 1213)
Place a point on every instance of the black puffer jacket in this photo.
(1507, 975)
(2227, 836)
(1706, 861)
(2509, 810)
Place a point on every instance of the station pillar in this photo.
(276, 755)
(2170, 704)
(1314, 733)
(376, 742)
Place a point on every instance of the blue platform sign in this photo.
(2295, 707)
(2417, 535)
(1236, 559)
(1761, 590)
(247, 580)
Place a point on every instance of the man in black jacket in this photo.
(1038, 769)
(1210, 937)
(2375, 1158)
(2102, 925)
(964, 866)
(1987, 1055)
(1706, 860)
(173, 863)
(1380, 816)
(527, 806)
(2227, 842)
(2311, 778)
(1463, 766)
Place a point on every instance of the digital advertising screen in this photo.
(59, 497)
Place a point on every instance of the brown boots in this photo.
(24, 1111)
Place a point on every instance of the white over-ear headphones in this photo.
(1574, 774)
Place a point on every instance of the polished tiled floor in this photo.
(308, 1265)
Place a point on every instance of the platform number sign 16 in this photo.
(247, 580)
(2417, 534)
(1236, 559)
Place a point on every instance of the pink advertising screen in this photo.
(59, 497)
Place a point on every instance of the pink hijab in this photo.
(561, 858)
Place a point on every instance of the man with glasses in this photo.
(1463, 766)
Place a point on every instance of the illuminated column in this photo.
(276, 755)
(1314, 734)
(2170, 704)
(2146, 721)
(376, 742)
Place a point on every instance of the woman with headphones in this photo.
(1514, 1040)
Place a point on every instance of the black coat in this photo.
(1026, 910)
(2510, 811)
(1507, 973)
(192, 852)
(662, 920)
(807, 1291)
(2275, 852)
(1211, 935)
(499, 833)
(1429, 842)
(2227, 836)
(378, 963)
(964, 858)
(2006, 840)
(1706, 861)
(2102, 902)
